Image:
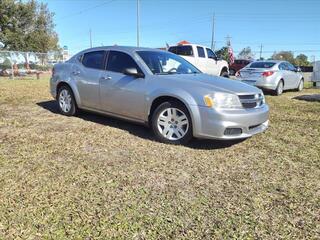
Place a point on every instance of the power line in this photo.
(86, 10)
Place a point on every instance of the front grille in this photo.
(252, 100)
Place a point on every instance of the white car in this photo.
(272, 75)
(203, 58)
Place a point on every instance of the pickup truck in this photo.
(203, 58)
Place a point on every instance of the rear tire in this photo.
(66, 102)
(171, 123)
(279, 89)
(224, 73)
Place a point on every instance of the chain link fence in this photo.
(14, 63)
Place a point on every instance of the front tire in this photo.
(171, 123)
(66, 102)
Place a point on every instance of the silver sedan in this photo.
(159, 89)
(272, 75)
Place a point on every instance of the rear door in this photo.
(119, 93)
(87, 75)
(202, 62)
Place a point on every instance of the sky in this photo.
(275, 24)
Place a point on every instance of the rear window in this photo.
(182, 50)
(262, 65)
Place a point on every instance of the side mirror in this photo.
(133, 72)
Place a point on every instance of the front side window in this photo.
(291, 67)
(283, 66)
(182, 50)
(211, 54)
(94, 59)
(119, 61)
(162, 63)
(201, 52)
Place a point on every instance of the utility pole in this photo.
(138, 23)
(260, 51)
(228, 39)
(90, 32)
(212, 37)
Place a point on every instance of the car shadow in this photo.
(136, 129)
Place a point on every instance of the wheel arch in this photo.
(224, 69)
(73, 89)
(187, 101)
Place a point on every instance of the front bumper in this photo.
(212, 123)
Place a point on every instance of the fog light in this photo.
(233, 131)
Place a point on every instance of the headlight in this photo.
(222, 100)
(263, 100)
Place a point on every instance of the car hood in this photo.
(211, 83)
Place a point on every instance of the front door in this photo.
(294, 76)
(212, 63)
(119, 93)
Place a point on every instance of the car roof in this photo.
(271, 61)
(127, 49)
(189, 44)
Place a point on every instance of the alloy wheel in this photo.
(172, 124)
(65, 101)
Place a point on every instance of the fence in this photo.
(14, 63)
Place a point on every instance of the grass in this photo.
(93, 177)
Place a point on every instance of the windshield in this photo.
(262, 65)
(166, 63)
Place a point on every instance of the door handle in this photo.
(76, 72)
(106, 78)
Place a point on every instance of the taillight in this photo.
(267, 74)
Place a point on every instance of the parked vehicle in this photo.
(203, 58)
(238, 65)
(272, 75)
(159, 89)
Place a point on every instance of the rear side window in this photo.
(201, 52)
(94, 59)
(119, 61)
(182, 50)
(262, 65)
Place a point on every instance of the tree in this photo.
(302, 60)
(27, 26)
(246, 53)
(285, 56)
(223, 53)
